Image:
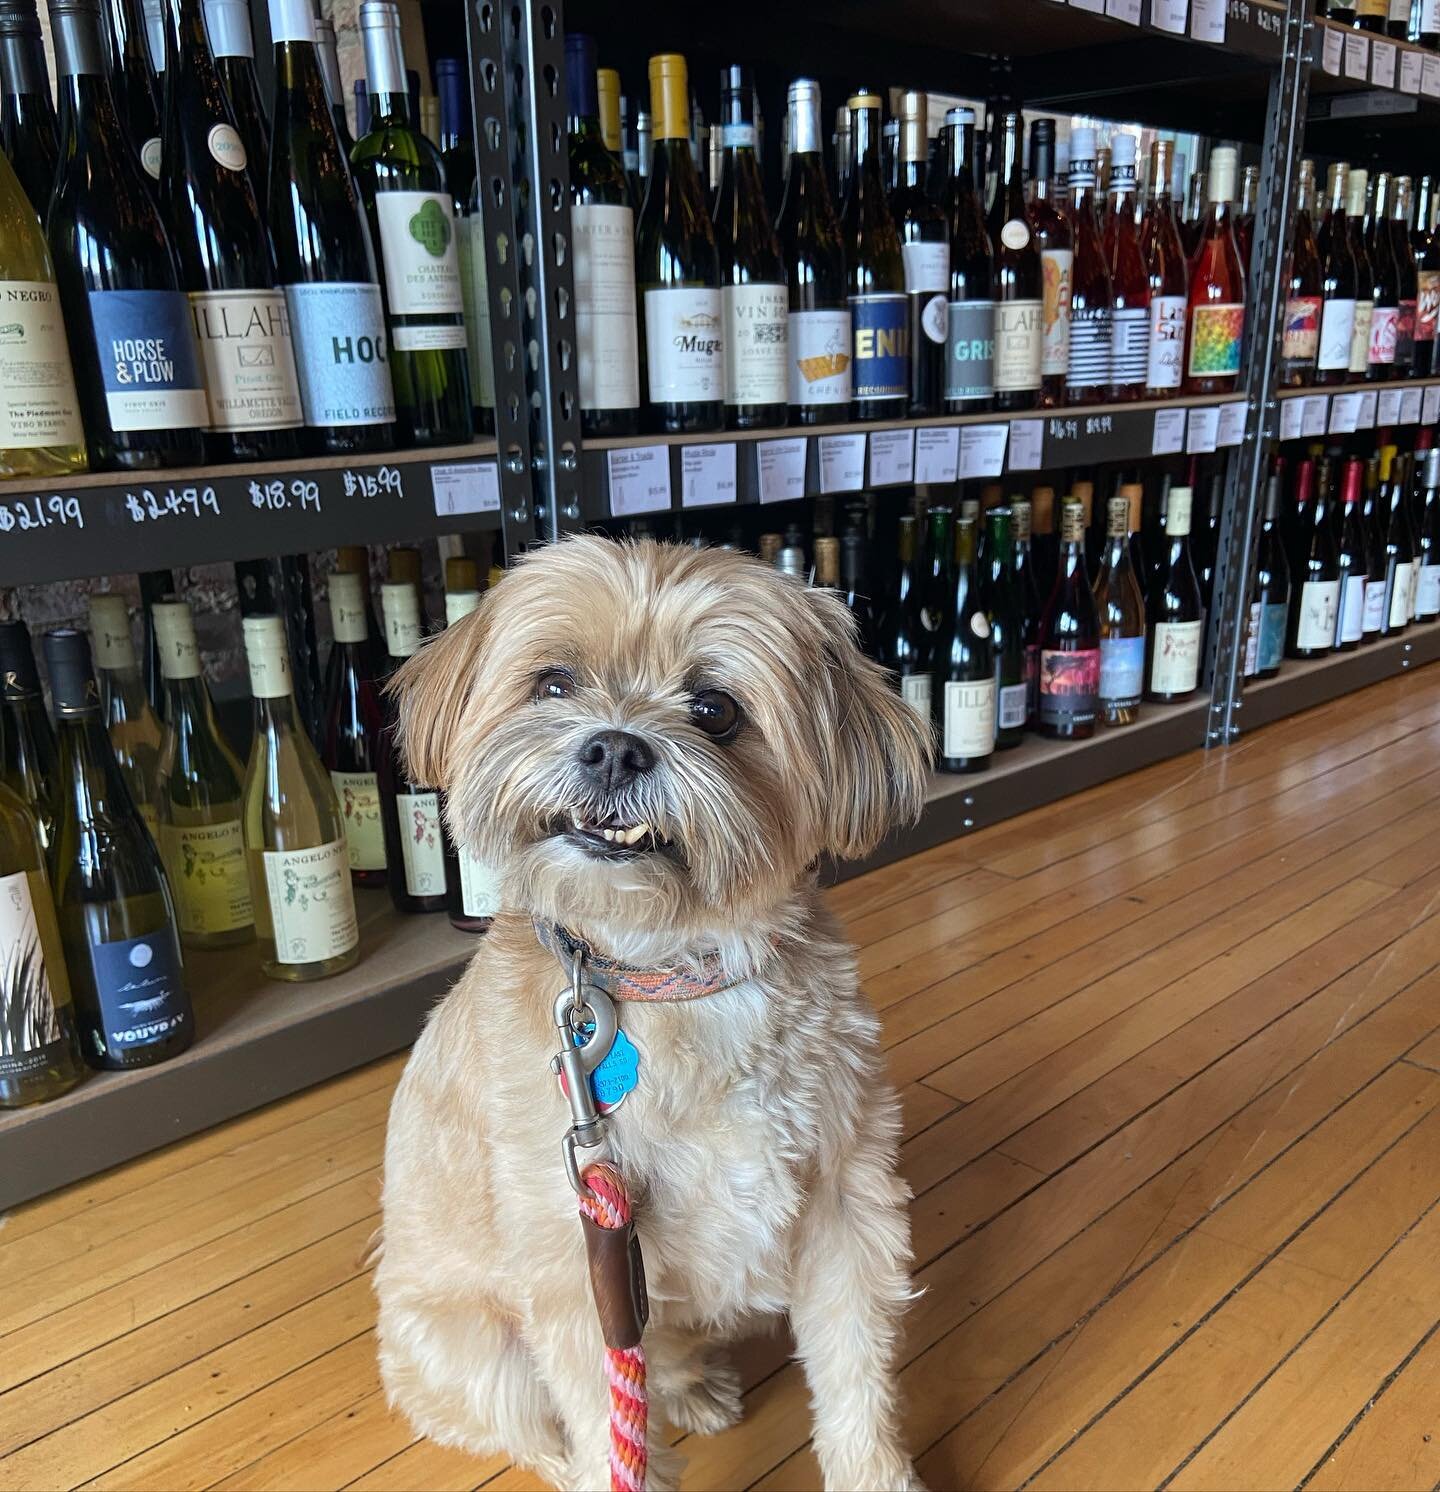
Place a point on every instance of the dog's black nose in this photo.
(613, 758)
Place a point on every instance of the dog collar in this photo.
(625, 981)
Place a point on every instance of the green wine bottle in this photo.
(27, 744)
(134, 731)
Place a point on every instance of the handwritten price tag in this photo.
(639, 480)
(278, 495)
(384, 481)
(782, 469)
(188, 502)
(707, 475)
(25, 513)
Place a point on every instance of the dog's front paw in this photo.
(708, 1405)
(886, 1476)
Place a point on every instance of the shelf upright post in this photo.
(1245, 480)
(517, 85)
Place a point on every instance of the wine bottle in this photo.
(612, 112)
(1168, 276)
(603, 256)
(1121, 611)
(199, 798)
(925, 253)
(117, 919)
(1130, 345)
(965, 668)
(226, 263)
(819, 385)
(136, 361)
(1174, 611)
(1397, 19)
(970, 313)
(134, 731)
(855, 590)
(232, 44)
(880, 365)
(40, 430)
(755, 296)
(1003, 599)
(939, 590)
(1070, 639)
(280, 586)
(28, 135)
(353, 730)
(1425, 242)
(1380, 363)
(1338, 285)
(325, 257)
(294, 835)
(1407, 278)
(840, 148)
(39, 1047)
(1044, 544)
(1427, 592)
(457, 151)
(1304, 294)
(1376, 470)
(1355, 189)
(1270, 594)
(328, 51)
(1245, 215)
(905, 643)
(27, 744)
(1020, 281)
(1032, 606)
(1399, 559)
(1217, 289)
(1352, 563)
(133, 84)
(412, 219)
(1092, 296)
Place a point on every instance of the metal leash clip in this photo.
(575, 1008)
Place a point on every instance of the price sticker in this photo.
(1202, 428)
(937, 454)
(1382, 63)
(1389, 410)
(1410, 61)
(465, 487)
(1411, 401)
(639, 480)
(842, 463)
(1168, 436)
(1312, 418)
(1357, 55)
(1292, 414)
(782, 469)
(1430, 76)
(1169, 15)
(1027, 444)
(982, 450)
(1343, 410)
(1123, 10)
(1365, 411)
(892, 457)
(707, 475)
(1207, 21)
(1232, 423)
(1331, 49)
(1431, 408)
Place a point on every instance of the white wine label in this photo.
(1122, 670)
(475, 295)
(140, 991)
(149, 362)
(226, 147)
(880, 345)
(1383, 332)
(1014, 705)
(1374, 605)
(31, 1039)
(312, 907)
(1400, 596)
(479, 886)
(819, 357)
(38, 402)
(1360, 336)
(359, 797)
(1091, 332)
(1318, 602)
(1175, 665)
(1337, 327)
(969, 719)
(684, 346)
(1352, 609)
(1017, 345)
(1427, 593)
(208, 876)
(970, 350)
(757, 343)
(249, 359)
(602, 245)
(1130, 345)
(927, 268)
(150, 157)
(915, 691)
(417, 245)
(1166, 356)
(428, 338)
(421, 845)
(339, 332)
(1056, 269)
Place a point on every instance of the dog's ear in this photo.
(875, 751)
(433, 689)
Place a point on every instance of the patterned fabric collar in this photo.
(626, 982)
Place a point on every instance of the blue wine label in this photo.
(141, 991)
(970, 350)
(1272, 634)
(881, 340)
(339, 335)
(149, 363)
(1122, 670)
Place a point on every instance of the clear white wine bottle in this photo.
(135, 733)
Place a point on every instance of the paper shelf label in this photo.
(782, 469)
(892, 457)
(1202, 427)
(982, 450)
(639, 480)
(1232, 424)
(466, 487)
(707, 475)
(1168, 436)
(937, 454)
(1343, 410)
(1027, 445)
(1315, 408)
(842, 463)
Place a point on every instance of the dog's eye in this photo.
(715, 713)
(554, 683)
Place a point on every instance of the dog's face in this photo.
(645, 734)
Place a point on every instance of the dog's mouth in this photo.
(612, 839)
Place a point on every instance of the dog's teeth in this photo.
(635, 835)
(611, 834)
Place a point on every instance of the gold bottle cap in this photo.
(404, 564)
(770, 546)
(607, 86)
(1134, 495)
(1042, 505)
(669, 97)
(461, 574)
(827, 562)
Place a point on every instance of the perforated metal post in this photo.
(1248, 466)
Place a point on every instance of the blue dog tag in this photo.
(618, 1072)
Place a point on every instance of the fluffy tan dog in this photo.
(653, 745)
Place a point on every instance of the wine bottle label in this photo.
(602, 246)
(1069, 686)
(684, 345)
(34, 1040)
(1351, 602)
(1429, 17)
(1122, 670)
(1175, 665)
(149, 363)
(1056, 269)
(339, 332)
(422, 847)
(249, 360)
(969, 719)
(1427, 594)
(479, 886)
(208, 876)
(1215, 333)
(1166, 354)
(358, 794)
(1427, 306)
(38, 402)
(417, 246)
(1091, 332)
(1130, 345)
(757, 344)
(1360, 337)
(1017, 345)
(150, 157)
(312, 906)
(1337, 328)
(1032, 679)
(1374, 617)
(1252, 640)
(226, 148)
(819, 353)
(1399, 10)
(1272, 635)
(1399, 608)
(429, 338)
(881, 346)
(970, 350)
(475, 295)
(1414, 590)
(915, 691)
(140, 991)
(1300, 336)
(1376, 8)
(1381, 351)
(927, 268)
(1014, 705)
(1405, 333)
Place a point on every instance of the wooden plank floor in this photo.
(1170, 1058)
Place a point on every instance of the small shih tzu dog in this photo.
(653, 746)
